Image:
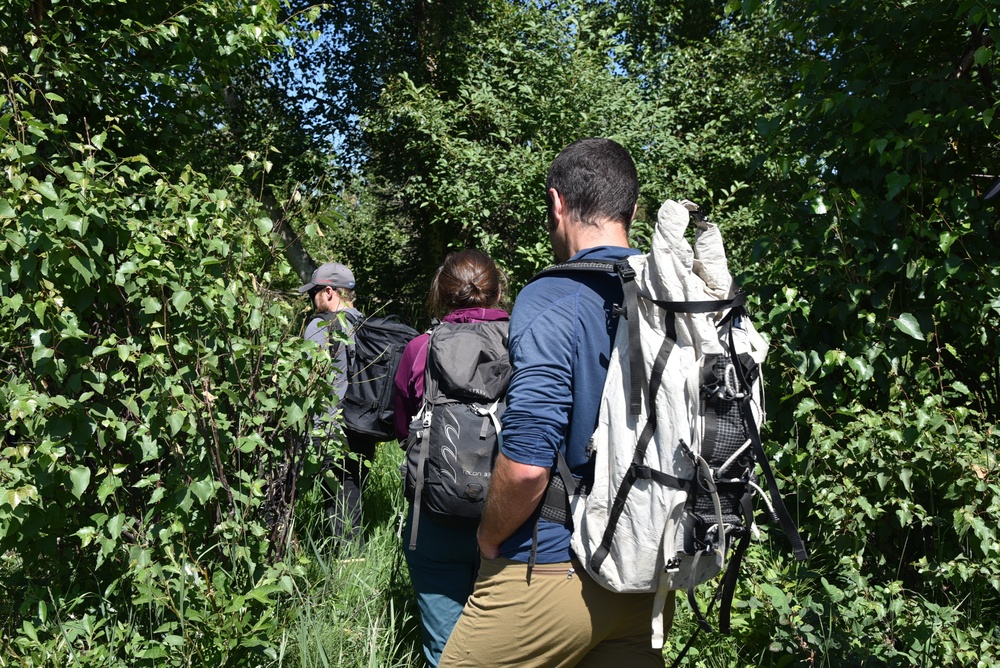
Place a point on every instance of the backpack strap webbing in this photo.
(626, 274)
(424, 446)
(728, 590)
(638, 469)
(784, 517)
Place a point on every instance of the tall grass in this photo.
(354, 607)
(350, 607)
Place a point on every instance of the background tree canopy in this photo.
(171, 171)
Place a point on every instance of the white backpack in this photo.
(678, 437)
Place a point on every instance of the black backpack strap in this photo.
(638, 469)
(784, 517)
(636, 368)
(630, 307)
(590, 266)
(354, 321)
(423, 443)
(418, 486)
(728, 590)
(739, 300)
(423, 446)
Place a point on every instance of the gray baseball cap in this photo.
(332, 274)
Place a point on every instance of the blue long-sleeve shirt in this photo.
(561, 333)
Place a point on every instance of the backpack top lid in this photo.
(673, 271)
(469, 361)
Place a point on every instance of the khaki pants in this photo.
(562, 618)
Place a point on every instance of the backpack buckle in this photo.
(624, 269)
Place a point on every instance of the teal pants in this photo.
(443, 571)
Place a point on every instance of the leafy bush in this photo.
(156, 394)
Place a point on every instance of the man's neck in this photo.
(605, 233)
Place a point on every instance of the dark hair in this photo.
(597, 179)
(467, 279)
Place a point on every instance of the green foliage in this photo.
(354, 606)
(882, 214)
(163, 74)
(459, 160)
(150, 385)
(155, 391)
(885, 383)
(900, 513)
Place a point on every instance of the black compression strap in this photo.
(562, 467)
(693, 600)
(728, 590)
(419, 485)
(784, 517)
(638, 458)
(702, 307)
(631, 290)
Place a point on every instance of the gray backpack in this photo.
(455, 437)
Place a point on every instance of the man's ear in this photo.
(558, 208)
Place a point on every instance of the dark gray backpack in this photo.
(455, 436)
(372, 360)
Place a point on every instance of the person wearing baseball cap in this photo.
(331, 290)
(332, 275)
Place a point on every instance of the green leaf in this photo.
(107, 487)
(6, 210)
(80, 477)
(265, 225)
(115, 525)
(84, 272)
(47, 191)
(180, 300)
(904, 476)
(778, 598)
(908, 324)
(150, 305)
(895, 182)
(204, 489)
(176, 421)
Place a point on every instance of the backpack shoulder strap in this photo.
(630, 309)
(355, 323)
(573, 266)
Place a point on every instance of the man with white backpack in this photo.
(631, 439)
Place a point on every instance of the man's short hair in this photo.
(597, 179)
(347, 294)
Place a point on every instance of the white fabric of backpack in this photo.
(650, 529)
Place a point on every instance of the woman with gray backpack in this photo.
(450, 390)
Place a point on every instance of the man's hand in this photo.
(515, 492)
